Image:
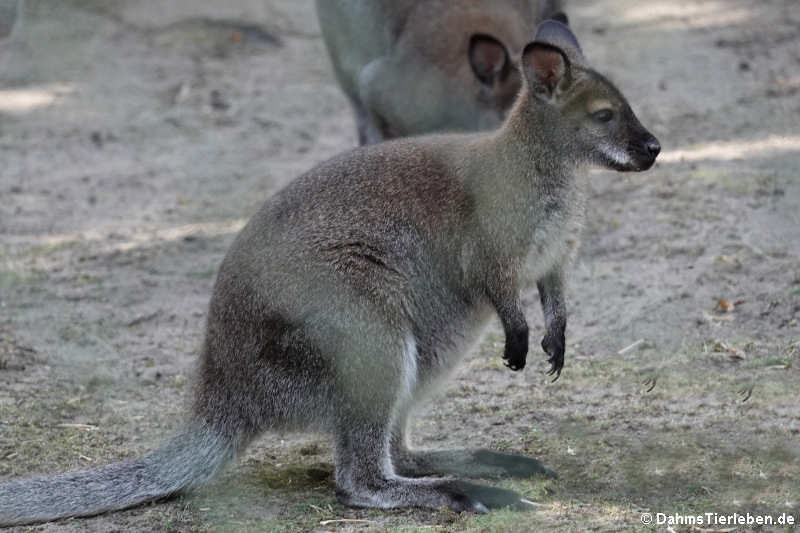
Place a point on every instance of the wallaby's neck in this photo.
(514, 170)
(529, 141)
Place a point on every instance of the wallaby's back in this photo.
(375, 220)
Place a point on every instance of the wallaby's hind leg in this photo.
(365, 475)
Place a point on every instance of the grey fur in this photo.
(405, 65)
(359, 287)
(186, 460)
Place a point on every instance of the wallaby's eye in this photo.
(603, 115)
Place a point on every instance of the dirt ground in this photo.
(136, 138)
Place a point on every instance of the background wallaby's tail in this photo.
(188, 459)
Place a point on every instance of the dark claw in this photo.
(553, 345)
(746, 393)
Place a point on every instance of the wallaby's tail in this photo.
(188, 459)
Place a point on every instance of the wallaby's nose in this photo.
(653, 147)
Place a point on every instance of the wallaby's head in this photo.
(580, 109)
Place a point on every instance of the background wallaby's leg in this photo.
(375, 103)
(368, 125)
(551, 293)
(460, 462)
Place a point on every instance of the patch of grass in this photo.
(205, 273)
(178, 517)
(14, 278)
(276, 525)
(177, 382)
(45, 250)
(500, 522)
(298, 477)
(489, 360)
(33, 442)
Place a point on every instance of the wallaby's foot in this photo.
(468, 463)
(433, 493)
(404, 492)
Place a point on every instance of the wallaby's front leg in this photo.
(503, 292)
(551, 293)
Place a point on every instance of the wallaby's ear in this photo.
(488, 58)
(556, 33)
(560, 17)
(546, 69)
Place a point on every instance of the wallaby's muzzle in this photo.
(643, 152)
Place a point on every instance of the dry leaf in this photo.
(724, 306)
(736, 353)
(732, 351)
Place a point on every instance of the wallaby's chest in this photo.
(546, 229)
(556, 218)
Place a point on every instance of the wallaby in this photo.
(359, 286)
(418, 66)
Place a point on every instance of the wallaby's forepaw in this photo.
(516, 350)
(553, 345)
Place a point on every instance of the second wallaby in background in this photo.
(410, 67)
(363, 283)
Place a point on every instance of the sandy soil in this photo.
(136, 138)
